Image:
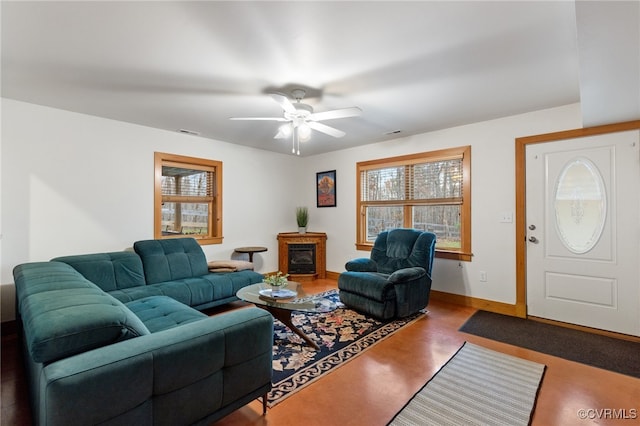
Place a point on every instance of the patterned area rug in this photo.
(341, 334)
(477, 386)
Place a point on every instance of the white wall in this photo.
(73, 183)
(493, 192)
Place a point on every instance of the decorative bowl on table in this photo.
(279, 294)
(277, 284)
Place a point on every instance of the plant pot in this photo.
(302, 230)
(277, 289)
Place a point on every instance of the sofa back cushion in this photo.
(44, 276)
(70, 316)
(171, 259)
(109, 271)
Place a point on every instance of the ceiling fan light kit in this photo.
(304, 132)
(301, 119)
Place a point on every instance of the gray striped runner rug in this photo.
(477, 386)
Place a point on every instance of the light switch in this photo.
(506, 217)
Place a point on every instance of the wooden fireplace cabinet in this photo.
(317, 238)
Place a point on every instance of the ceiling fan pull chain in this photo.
(293, 138)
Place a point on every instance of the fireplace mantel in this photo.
(317, 238)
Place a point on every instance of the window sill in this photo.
(454, 255)
(203, 241)
(441, 254)
(209, 240)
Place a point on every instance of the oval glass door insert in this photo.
(580, 205)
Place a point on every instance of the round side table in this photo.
(250, 251)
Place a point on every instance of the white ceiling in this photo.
(413, 66)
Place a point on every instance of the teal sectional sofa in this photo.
(119, 338)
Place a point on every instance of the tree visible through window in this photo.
(188, 198)
(429, 191)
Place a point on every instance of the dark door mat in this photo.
(618, 355)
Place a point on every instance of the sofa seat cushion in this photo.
(61, 323)
(189, 291)
(127, 295)
(227, 284)
(161, 312)
(200, 292)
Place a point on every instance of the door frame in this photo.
(521, 187)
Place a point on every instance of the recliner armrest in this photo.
(407, 274)
(362, 264)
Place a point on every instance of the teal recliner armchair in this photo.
(396, 281)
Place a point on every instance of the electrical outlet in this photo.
(483, 276)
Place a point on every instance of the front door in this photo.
(583, 231)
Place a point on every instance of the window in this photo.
(188, 198)
(428, 191)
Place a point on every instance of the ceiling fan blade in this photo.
(326, 129)
(284, 102)
(336, 113)
(259, 118)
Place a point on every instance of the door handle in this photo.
(533, 240)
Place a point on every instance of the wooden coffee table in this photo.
(282, 309)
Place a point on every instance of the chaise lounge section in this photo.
(108, 341)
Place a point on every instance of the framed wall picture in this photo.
(326, 189)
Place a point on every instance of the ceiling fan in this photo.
(300, 119)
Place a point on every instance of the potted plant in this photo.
(277, 281)
(302, 217)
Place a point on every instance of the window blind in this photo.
(184, 182)
(434, 180)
